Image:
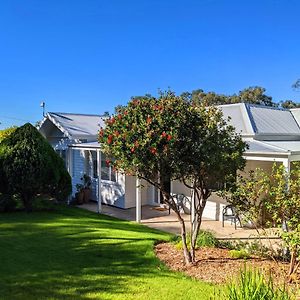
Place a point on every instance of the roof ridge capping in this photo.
(76, 114)
(266, 106)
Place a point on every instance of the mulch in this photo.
(215, 265)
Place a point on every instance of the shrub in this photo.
(7, 203)
(239, 254)
(252, 285)
(207, 239)
(30, 166)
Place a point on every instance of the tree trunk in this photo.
(27, 202)
(186, 253)
(292, 264)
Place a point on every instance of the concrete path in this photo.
(158, 218)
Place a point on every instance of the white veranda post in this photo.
(286, 164)
(69, 153)
(99, 208)
(138, 198)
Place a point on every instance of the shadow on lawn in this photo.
(71, 254)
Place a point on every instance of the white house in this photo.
(272, 134)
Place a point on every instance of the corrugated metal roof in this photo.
(260, 147)
(238, 117)
(269, 120)
(291, 146)
(78, 125)
(296, 114)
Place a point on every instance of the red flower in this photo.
(119, 116)
(125, 113)
(153, 150)
(149, 120)
(132, 149)
(169, 137)
(163, 134)
(101, 132)
(109, 139)
(107, 162)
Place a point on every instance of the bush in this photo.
(239, 254)
(204, 239)
(207, 239)
(7, 203)
(251, 285)
(30, 166)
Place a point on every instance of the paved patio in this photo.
(158, 218)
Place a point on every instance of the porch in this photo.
(158, 218)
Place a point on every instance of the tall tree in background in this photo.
(4, 133)
(166, 138)
(253, 95)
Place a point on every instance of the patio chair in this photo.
(230, 213)
(182, 203)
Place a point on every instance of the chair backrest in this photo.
(229, 210)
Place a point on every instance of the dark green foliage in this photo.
(7, 203)
(204, 239)
(252, 95)
(207, 239)
(289, 104)
(30, 166)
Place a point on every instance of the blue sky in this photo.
(89, 56)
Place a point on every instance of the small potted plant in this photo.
(86, 188)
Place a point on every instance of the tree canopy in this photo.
(167, 138)
(253, 95)
(4, 133)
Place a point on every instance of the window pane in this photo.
(113, 175)
(104, 168)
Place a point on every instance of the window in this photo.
(107, 172)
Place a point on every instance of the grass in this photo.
(70, 253)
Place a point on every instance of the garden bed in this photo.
(215, 265)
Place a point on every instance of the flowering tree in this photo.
(166, 138)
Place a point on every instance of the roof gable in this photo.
(77, 126)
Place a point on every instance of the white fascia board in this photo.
(83, 147)
(266, 158)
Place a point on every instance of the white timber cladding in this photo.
(130, 194)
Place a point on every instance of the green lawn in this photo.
(70, 253)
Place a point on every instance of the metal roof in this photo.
(77, 125)
(270, 120)
(259, 147)
(263, 121)
(239, 118)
